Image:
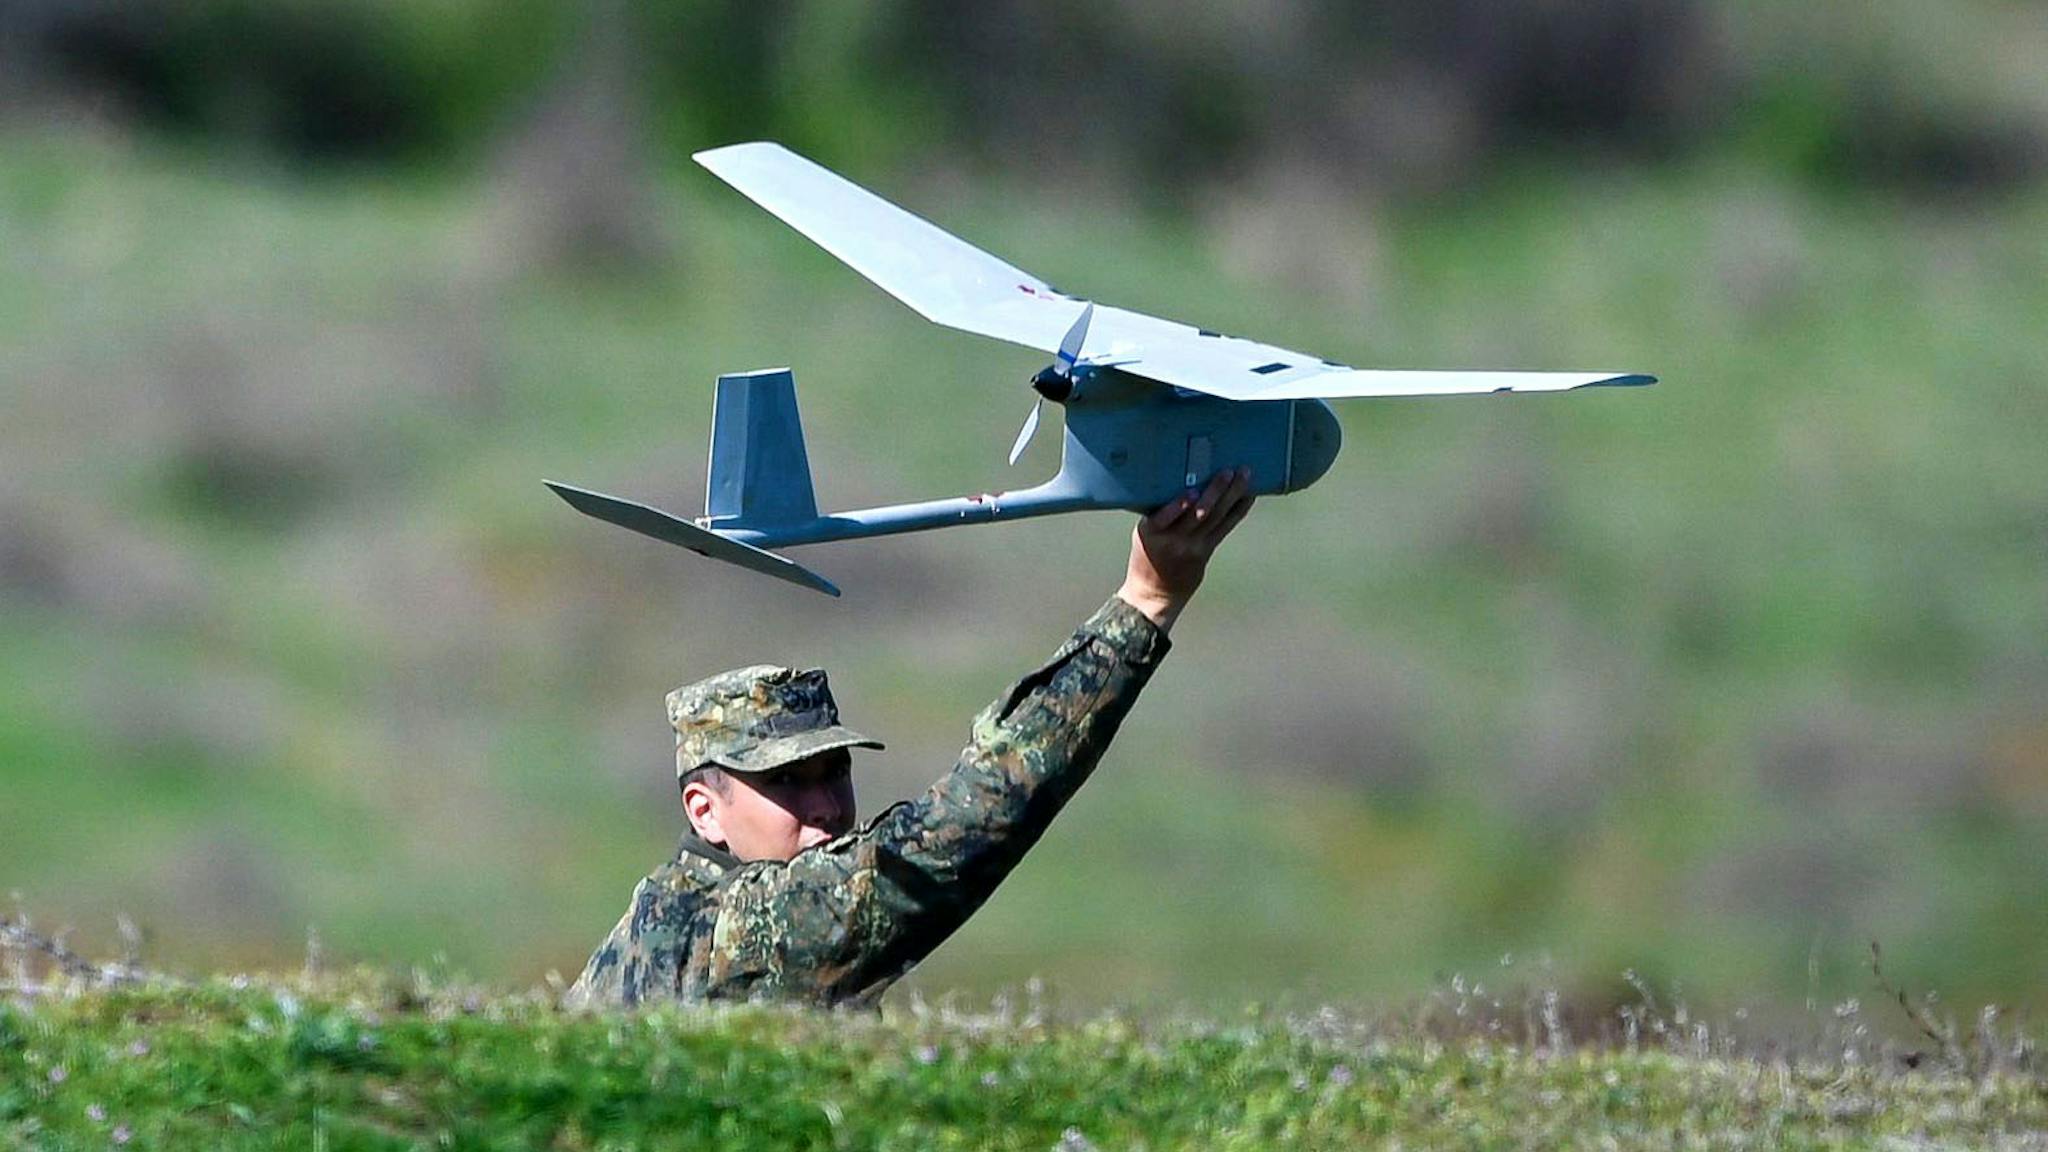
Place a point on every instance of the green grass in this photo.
(375, 1061)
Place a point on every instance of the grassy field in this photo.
(374, 1061)
(1715, 681)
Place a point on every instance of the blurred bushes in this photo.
(1378, 96)
(305, 78)
(1918, 97)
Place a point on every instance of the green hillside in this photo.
(382, 1062)
(1715, 680)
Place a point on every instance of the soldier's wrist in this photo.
(1157, 605)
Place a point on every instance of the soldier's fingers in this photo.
(1164, 516)
(1230, 508)
(1205, 507)
(1230, 520)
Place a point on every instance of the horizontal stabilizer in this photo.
(703, 541)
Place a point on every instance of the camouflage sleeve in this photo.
(641, 960)
(845, 919)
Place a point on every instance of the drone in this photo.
(1153, 407)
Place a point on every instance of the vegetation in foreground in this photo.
(372, 1060)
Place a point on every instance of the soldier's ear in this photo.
(700, 805)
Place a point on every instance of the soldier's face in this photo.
(775, 815)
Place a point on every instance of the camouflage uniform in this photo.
(845, 919)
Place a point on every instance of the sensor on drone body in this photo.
(1153, 407)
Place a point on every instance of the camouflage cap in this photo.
(756, 718)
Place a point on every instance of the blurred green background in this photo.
(1716, 680)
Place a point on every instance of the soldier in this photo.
(774, 894)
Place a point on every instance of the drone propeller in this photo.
(1025, 433)
(1055, 380)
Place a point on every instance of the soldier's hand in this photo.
(1170, 549)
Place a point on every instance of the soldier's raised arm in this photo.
(843, 920)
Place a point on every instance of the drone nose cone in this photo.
(1052, 384)
(1316, 438)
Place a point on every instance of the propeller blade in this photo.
(1024, 436)
(1057, 378)
(1070, 346)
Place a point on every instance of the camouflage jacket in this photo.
(845, 919)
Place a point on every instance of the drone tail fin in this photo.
(760, 476)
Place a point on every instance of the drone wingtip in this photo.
(706, 156)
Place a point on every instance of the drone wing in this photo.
(949, 281)
(1238, 369)
(942, 277)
